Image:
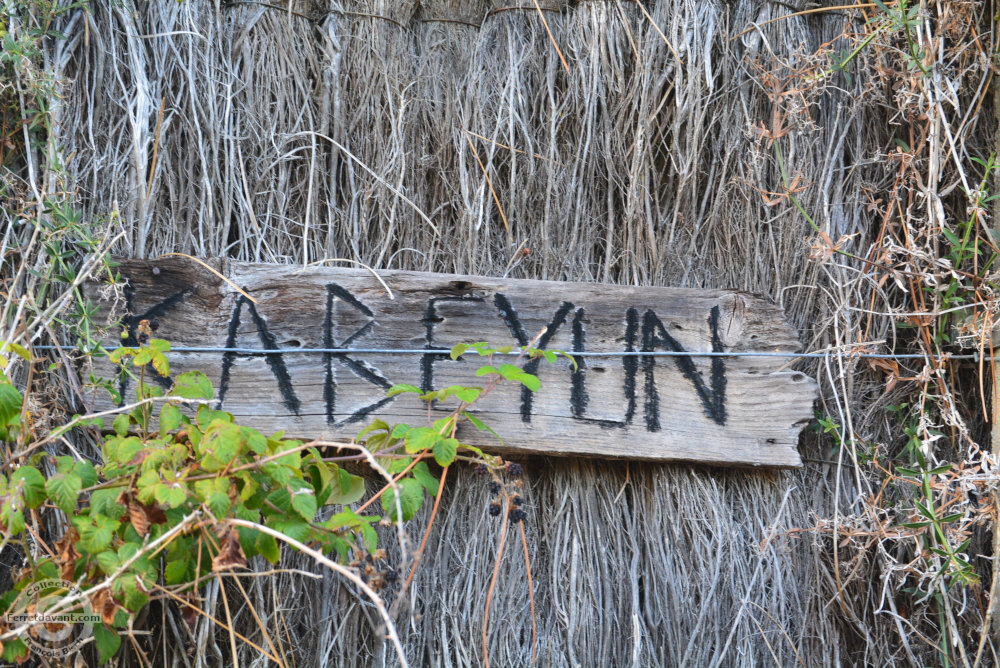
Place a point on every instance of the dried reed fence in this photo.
(669, 142)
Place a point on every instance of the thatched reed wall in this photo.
(379, 131)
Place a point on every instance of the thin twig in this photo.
(216, 272)
(551, 36)
(489, 182)
(344, 259)
(156, 147)
(531, 594)
(423, 544)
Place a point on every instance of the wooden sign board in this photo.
(718, 410)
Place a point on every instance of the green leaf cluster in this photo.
(160, 465)
(176, 456)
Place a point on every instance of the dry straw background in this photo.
(454, 136)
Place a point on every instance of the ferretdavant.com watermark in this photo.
(52, 634)
(59, 618)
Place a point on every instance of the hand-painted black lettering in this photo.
(274, 360)
(654, 336)
(360, 369)
(344, 294)
(648, 365)
(131, 322)
(431, 318)
(509, 315)
(630, 362)
(157, 310)
(578, 398)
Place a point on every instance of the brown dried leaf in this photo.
(140, 515)
(66, 554)
(188, 613)
(138, 458)
(137, 516)
(890, 368)
(155, 514)
(105, 605)
(231, 554)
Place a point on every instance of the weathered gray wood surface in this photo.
(731, 411)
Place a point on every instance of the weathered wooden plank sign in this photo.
(718, 410)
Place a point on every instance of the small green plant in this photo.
(970, 257)
(920, 475)
(955, 567)
(825, 424)
(185, 495)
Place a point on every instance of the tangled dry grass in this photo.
(808, 154)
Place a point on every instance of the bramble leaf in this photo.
(468, 394)
(10, 404)
(303, 498)
(280, 499)
(177, 568)
(267, 545)
(13, 651)
(63, 489)
(214, 494)
(161, 364)
(12, 516)
(376, 425)
(292, 526)
(192, 385)
(127, 450)
(422, 474)
(355, 489)
(421, 438)
(480, 425)
(108, 561)
(445, 451)
(120, 425)
(105, 502)
(146, 485)
(254, 440)
(159, 345)
(170, 494)
(95, 531)
(126, 590)
(510, 371)
(32, 485)
(529, 381)
(84, 469)
(411, 497)
(170, 418)
(400, 389)
(220, 445)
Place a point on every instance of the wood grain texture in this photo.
(742, 411)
